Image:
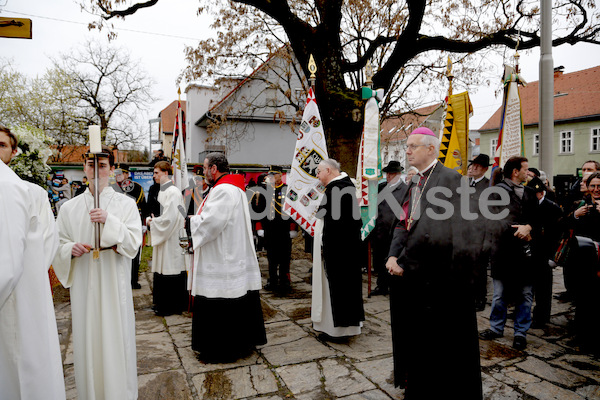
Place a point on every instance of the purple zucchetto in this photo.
(423, 131)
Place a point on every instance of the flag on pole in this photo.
(369, 161)
(454, 146)
(304, 189)
(178, 163)
(510, 137)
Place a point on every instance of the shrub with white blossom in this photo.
(34, 150)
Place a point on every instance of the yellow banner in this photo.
(454, 145)
(15, 28)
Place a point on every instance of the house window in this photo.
(299, 95)
(271, 97)
(536, 144)
(595, 140)
(566, 142)
(493, 146)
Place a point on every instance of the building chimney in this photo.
(558, 71)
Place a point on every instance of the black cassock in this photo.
(341, 252)
(434, 326)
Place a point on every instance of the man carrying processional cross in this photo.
(96, 265)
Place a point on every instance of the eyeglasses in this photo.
(413, 147)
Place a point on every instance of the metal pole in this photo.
(96, 253)
(546, 124)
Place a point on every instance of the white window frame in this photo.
(536, 144)
(493, 145)
(567, 141)
(595, 134)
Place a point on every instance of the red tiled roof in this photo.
(398, 128)
(74, 154)
(167, 116)
(580, 98)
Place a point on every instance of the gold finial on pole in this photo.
(450, 76)
(369, 74)
(312, 68)
(517, 56)
(179, 93)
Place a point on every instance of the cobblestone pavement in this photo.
(295, 364)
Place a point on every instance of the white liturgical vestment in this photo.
(30, 360)
(225, 263)
(101, 299)
(167, 256)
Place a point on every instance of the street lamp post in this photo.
(546, 123)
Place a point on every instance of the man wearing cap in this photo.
(125, 185)
(476, 174)
(278, 230)
(195, 193)
(431, 305)
(390, 198)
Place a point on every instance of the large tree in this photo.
(407, 40)
(110, 88)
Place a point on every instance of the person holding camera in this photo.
(585, 264)
(510, 243)
(586, 217)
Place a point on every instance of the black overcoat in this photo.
(432, 309)
(341, 246)
(512, 259)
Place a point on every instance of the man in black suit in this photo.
(476, 173)
(548, 235)
(124, 184)
(389, 205)
(431, 302)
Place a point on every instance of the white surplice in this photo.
(225, 263)
(167, 257)
(101, 298)
(30, 360)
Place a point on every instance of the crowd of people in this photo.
(431, 254)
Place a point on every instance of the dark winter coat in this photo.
(511, 257)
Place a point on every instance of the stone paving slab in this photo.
(301, 350)
(170, 385)
(547, 372)
(301, 378)
(156, 353)
(342, 380)
(547, 391)
(193, 366)
(581, 364)
(370, 395)
(146, 322)
(237, 383)
(296, 364)
(381, 373)
(375, 340)
(284, 332)
(589, 392)
(494, 389)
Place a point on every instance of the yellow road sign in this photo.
(15, 28)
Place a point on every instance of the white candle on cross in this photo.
(95, 139)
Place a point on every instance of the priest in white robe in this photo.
(170, 293)
(228, 321)
(101, 300)
(30, 360)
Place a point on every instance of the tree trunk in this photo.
(342, 115)
(343, 124)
